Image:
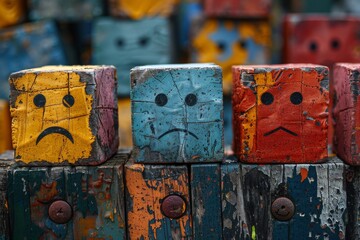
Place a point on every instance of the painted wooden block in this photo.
(206, 201)
(157, 202)
(237, 8)
(346, 112)
(280, 113)
(65, 9)
(5, 126)
(321, 39)
(353, 203)
(127, 47)
(177, 113)
(139, 9)
(68, 202)
(284, 201)
(228, 43)
(125, 133)
(11, 12)
(26, 46)
(64, 114)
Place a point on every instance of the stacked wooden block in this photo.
(64, 121)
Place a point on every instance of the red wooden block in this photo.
(237, 8)
(321, 39)
(280, 113)
(346, 112)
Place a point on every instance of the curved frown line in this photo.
(178, 130)
(52, 130)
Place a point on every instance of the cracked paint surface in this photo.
(229, 43)
(59, 115)
(280, 113)
(177, 113)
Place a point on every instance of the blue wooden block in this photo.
(28, 46)
(317, 191)
(65, 9)
(206, 201)
(177, 113)
(129, 43)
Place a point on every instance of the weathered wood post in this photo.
(173, 181)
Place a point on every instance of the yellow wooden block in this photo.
(64, 114)
(125, 134)
(5, 126)
(11, 12)
(137, 9)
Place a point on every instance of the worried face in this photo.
(177, 113)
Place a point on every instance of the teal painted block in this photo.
(95, 193)
(177, 113)
(65, 9)
(206, 201)
(129, 43)
(27, 46)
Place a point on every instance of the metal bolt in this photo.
(282, 209)
(173, 206)
(60, 212)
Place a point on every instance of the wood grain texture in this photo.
(206, 201)
(338, 41)
(58, 110)
(346, 112)
(146, 188)
(151, 45)
(18, 44)
(11, 12)
(65, 9)
(317, 191)
(138, 9)
(229, 42)
(5, 126)
(177, 113)
(125, 133)
(280, 113)
(237, 8)
(95, 193)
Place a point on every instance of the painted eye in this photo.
(335, 44)
(120, 42)
(68, 101)
(161, 99)
(191, 99)
(39, 100)
(296, 98)
(242, 44)
(221, 46)
(267, 98)
(143, 41)
(313, 46)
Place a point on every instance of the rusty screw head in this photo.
(60, 212)
(173, 206)
(282, 209)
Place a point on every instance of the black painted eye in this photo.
(242, 44)
(161, 99)
(191, 99)
(335, 44)
(120, 42)
(267, 98)
(68, 101)
(313, 46)
(296, 98)
(144, 41)
(39, 100)
(221, 46)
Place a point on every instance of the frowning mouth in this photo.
(52, 130)
(178, 130)
(278, 129)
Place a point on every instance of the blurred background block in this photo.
(129, 43)
(125, 133)
(11, 12)
(5, 126)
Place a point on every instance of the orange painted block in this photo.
(64, 114)
(125, 133)
(280, 113)
(11, 12)
(158, 202)
(138, 9)
(5, 126)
